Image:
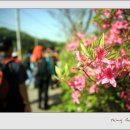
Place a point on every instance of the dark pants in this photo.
(43, 86)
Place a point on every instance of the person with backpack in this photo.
(51, 58)
(13, 94)
(27, 65)
(15, 57)
(42, 75)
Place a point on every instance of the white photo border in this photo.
(65, 120)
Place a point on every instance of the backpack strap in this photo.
(7, 60)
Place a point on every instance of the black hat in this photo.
(5, 43)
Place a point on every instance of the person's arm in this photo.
(23, 92)
(22, 76)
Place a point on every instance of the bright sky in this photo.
(36, 22)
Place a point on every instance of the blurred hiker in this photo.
(42, 75)
(27, 65)
(15, 57)
(13, 94)
(56, 57)
(51, 58)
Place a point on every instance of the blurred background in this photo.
(51, 28)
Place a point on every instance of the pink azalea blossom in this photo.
(80, 57)
(114, 31)
(129, 37)
(73, 46)
(119, 13)
(71, 84)
(118, 40)
(81, 35)
(100, 76)
(107, 13)
(109, 77)
(101, 53)
(77, 83)
(80, 83)
(87, 42)
(93, 37)
(106, 24)
(118, 65)
(122, 94)
(123, 53)
(121, 24)
(75, 97)
(93, 89)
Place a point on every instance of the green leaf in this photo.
(83, 48)
(58, 71)
(97, 42)
(102, 41)
(66, 70)
(92, 45)
(112, 55)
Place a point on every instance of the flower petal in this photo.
(113, 82)
(105, 80)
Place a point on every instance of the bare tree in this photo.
(72, 20)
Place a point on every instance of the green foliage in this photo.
(101, 43)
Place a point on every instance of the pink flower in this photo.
(122, 94)
(106, 24)
(80, 83)
(114, 30)
(109, 77)
(80, 57)
(75, 97)
(121, 24)
(73, 46)
(77, 83)
(71, 84)
(93, 89)
(101, 53)
(81, 35)
(100, 76)
(123, 53)
(107, 13)
(118, 40)
(118, 65)
(93, 37)
(129, 37)
(87, 42)
(89, 71)
(119, 13)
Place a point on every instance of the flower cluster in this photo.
(99, 62)
(77, 85)
(117, 24)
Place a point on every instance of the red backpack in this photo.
(5, 86)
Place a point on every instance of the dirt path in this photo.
(54, 98)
